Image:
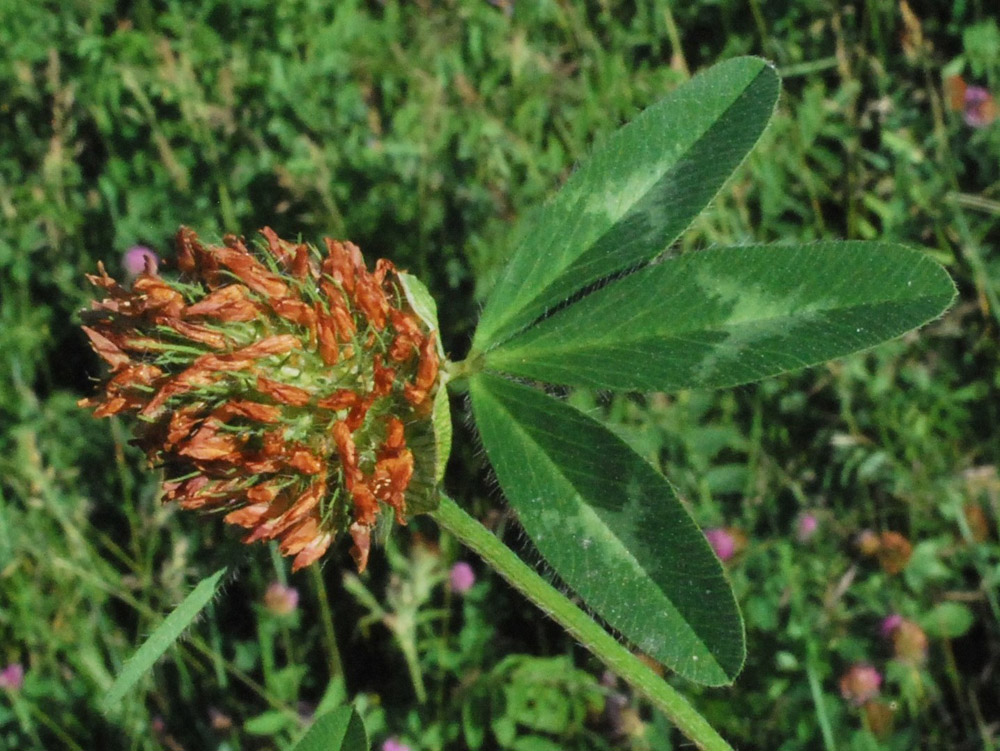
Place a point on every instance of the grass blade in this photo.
(162, 638)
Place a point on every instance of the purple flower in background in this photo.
(977, 105)
(281, 599)
(980, 110)
(136, 258)
(394, 744)
(461, 578)
(889, 624)
(722, 542)
(12, 677)
(806, 527)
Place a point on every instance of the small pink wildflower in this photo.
(394, 744)
(139, 259)
(977, 105)
(281, 599)
(980, 110)
(461, 578)
(806, 527)
(860, 684)
(12, 677)
(889, 624)
(722, 542)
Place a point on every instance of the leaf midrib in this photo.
(681, 332)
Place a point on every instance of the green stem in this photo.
(579, 625)
(463, 369)
(336, 665)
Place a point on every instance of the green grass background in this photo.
(422, 131)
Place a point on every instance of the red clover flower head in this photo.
(288, 389)
(860, 684)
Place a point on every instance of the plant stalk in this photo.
(581, 626)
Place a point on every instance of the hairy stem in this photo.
(581, 626)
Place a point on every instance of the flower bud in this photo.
(289, 389)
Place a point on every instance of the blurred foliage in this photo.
(422, 131)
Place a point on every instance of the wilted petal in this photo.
(248, 270)
(361, 534)
(427, 372)
(283, 392)
(229, 303)
(107, 349)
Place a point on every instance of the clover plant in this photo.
(306, 396)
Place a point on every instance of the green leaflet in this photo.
(612, 528)
(731, 315)
(642, 187)
(162, 639)
(339, 729)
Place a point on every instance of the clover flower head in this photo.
(806, 527)
(909, 640)
(977, 105)
(860, 684)
(281, 599)
(889, 624)
(894, 552)
(138, 260)
(288, 389)
(12, 677)
(461, 577)
(722, 541)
